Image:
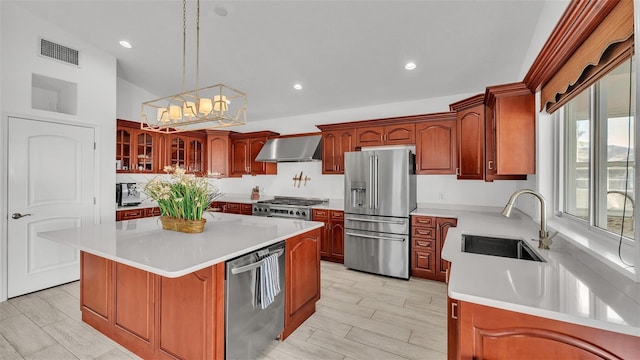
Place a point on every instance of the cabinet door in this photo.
(302, 278)
(400, 134)
(452, 329)
(96, 291)
(218, 155)
(443, 225)
(470, 131)
(162, 151)
(337, 241)
(436, 146)
(423, 263)
(330, 151)
(370, 136)
(190, 315)
(144, 154)
(257, 167)
(178, 157)
(195, 153)
(133, 307)
(124, 149)
(239, 161)
(325, 240)
(490, 333)
(515, 123)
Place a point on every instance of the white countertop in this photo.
(143, 244)
(562, 288)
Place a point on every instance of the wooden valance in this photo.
(610, 44)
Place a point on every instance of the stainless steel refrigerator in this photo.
(380, 192)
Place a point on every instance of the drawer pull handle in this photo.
(454, 307)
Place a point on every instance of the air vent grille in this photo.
(58, 52)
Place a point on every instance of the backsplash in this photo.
(431, 189)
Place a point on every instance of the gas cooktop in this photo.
(287, 207)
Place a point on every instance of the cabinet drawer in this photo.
(246, 209)
(233, 208)
(337, 215)
(154, 211)
(423, 244)
(423, 221)
(320, 215)
(132, 214)
(423, 232)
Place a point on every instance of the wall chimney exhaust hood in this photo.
(292, 149)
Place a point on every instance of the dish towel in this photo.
(269, 280)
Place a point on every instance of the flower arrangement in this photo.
(183, 196)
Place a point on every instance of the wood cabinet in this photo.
(510, 132)
(131, 214)
(244, 149)
(332, 243)
(470, 137)
(427, 239)
(302, 279)
(397, 134)
(187, 152)
(452, 329)
(141, 151)
(436, 146)
(232, 207)
(154, 316)
(334, 144)
(490, 333)
(218, 153)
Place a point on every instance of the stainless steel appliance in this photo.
(292, 149)
(248, 327)
(380, 192)
(286, 207)
(127, 194)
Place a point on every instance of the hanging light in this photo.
(202, 108)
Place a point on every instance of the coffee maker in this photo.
(127, 194)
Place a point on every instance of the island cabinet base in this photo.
(151, 315)
(491, 333)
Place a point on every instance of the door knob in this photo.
(18, 215)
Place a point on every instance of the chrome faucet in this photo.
(544, 241)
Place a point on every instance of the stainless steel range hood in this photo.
(292, 149)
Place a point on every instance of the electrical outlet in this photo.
(441, 196)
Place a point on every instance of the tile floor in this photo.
(360, 316)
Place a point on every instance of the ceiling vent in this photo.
(58, 52)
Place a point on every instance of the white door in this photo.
(50, 187)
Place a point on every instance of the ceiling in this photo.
(346, 54)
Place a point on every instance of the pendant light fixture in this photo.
(208, 107)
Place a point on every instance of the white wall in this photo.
(96, 79)
(130, 99)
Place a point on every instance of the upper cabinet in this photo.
(399, 134)
(334, 144)
(436, 145)
(142, 151)
(218, 153)
(470, 137)
(510, 133)
(243, 151)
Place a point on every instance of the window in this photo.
(599, 161)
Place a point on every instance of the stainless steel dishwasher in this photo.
(248, 327)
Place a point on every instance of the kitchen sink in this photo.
(497, 246)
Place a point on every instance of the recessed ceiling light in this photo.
(297, 86)
(125, 44)
(220, 11)
(410, 66)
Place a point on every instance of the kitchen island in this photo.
(509, 308)
(161, 294)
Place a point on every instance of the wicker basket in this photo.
(182, 225)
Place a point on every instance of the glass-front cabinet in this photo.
(144, 154)
(123, 150)
(178, 152)
(196, 156)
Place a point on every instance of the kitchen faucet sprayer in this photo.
(544, 241)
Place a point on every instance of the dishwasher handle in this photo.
(257, 264)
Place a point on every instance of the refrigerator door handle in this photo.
(400, 222)
(375, 171)
(374, 237)
(371, 185)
